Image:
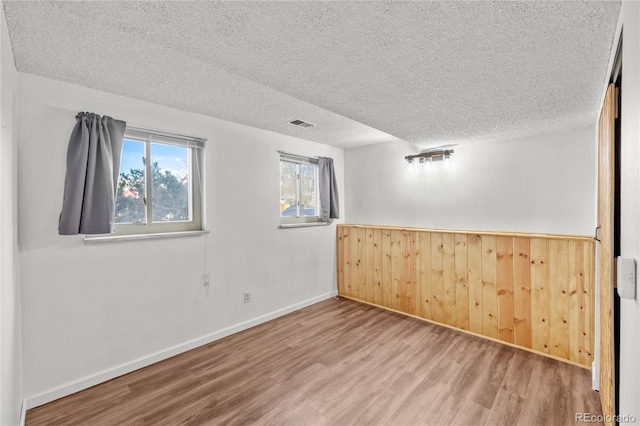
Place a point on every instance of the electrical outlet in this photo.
(247, 297)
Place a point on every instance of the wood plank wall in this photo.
(528, 290)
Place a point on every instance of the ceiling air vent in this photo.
(300, 123)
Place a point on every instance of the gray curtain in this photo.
(328, 187)
(93, 164)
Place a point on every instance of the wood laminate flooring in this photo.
(338, 362)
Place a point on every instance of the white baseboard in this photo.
(23, 413)
(111, 373)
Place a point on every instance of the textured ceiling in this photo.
(363, 72)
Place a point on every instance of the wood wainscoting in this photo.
(533, 291)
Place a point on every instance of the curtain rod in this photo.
(166, 134)
(303, 157)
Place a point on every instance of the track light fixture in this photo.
(426, 157)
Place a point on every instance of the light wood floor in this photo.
(338, 362)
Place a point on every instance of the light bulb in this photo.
(411, 167)
(447, 162)
(428, 163)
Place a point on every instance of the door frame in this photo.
(607, 325)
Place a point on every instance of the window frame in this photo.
(196, 148)
(300, 160)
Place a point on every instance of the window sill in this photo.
(115, 238)
(303, 224)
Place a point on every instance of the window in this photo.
(159, 184)
(298, 189)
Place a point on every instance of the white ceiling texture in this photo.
(431, 73)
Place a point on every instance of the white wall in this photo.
(94, 311)
(629, 397)
(10, 323)
(543, 184)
